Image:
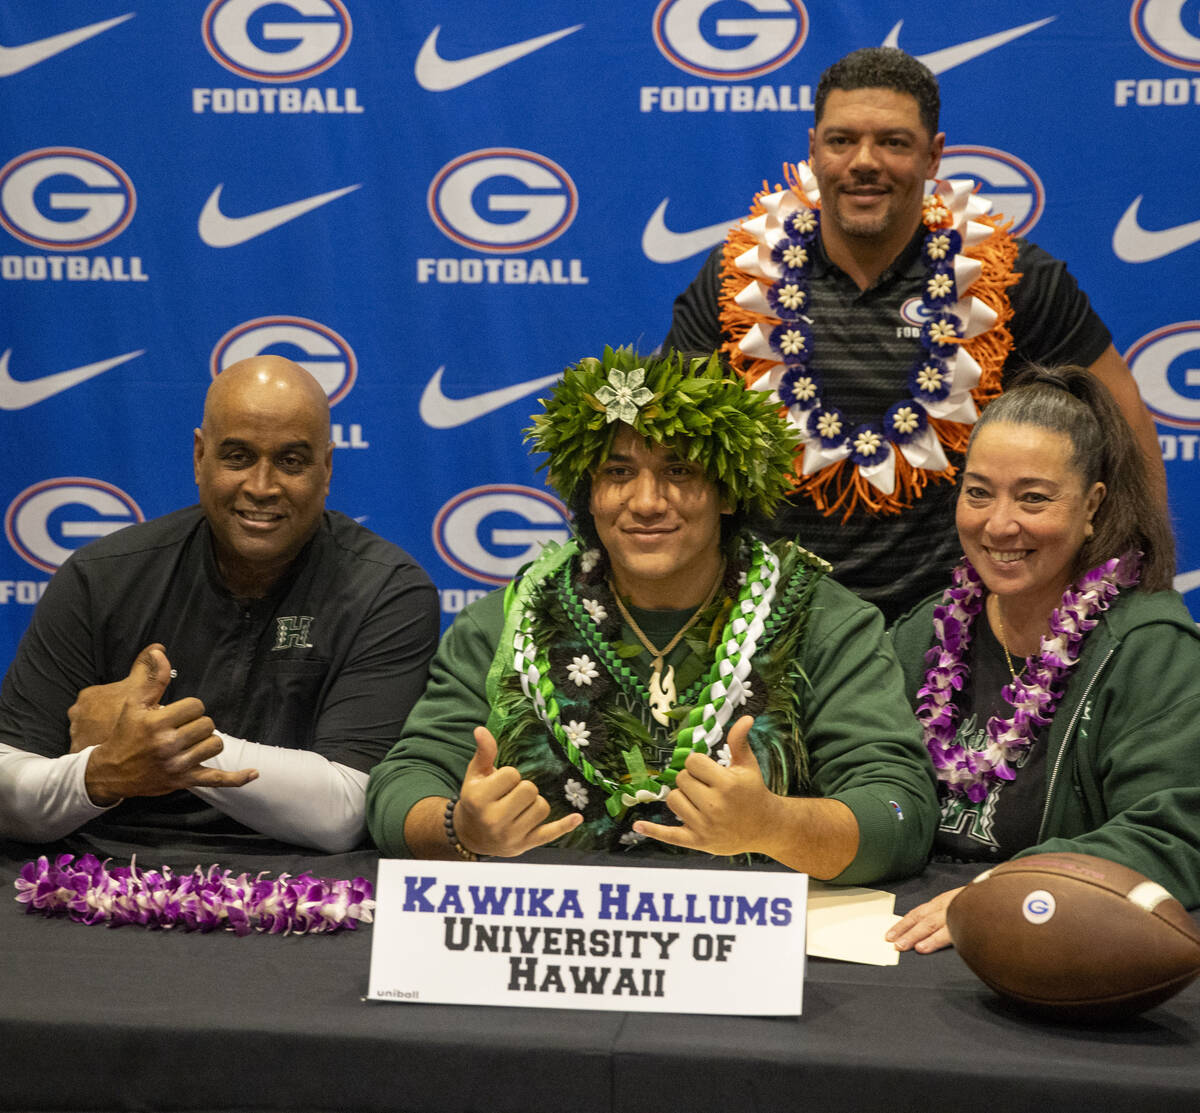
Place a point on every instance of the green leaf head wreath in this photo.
(692, 404)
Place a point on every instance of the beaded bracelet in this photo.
(452, 837)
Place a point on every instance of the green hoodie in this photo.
(1123, 766)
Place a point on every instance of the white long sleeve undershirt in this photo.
(299, 797)
(43, 798)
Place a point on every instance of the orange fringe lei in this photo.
(840, 486)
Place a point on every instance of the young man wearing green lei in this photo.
(666, 679)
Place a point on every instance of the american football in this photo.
(1075, 937)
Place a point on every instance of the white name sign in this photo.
(584, 937)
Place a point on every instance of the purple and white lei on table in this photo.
(89, 892)
(1034, 694)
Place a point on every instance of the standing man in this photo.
(290, 641)
(668, 679)
(883, 320)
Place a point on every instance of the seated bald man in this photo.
(229, 672)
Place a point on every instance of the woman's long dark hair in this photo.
(1072, 401)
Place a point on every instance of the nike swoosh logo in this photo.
(219, 230)
(18, 394)
(942, 60)
(1134, 244)
(661, 245)
(438, 74)
(440, 412)
(14, 59)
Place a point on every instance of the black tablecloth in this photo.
(113, 1019)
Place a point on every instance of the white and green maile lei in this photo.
(705, 726)
(567, 678)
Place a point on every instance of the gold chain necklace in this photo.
(1004, 640)
(662, 690)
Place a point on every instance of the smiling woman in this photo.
(1023, 515)
(1032, 675)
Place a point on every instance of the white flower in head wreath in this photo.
(623, 395)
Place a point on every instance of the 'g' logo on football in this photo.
(323, 353)
(502, 200)
(1159, 30)
(47, 522)
(65, 199)
(1038, 906)
(261, 48)
(730, 45)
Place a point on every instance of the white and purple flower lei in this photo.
(1034, 694)
(204, 900)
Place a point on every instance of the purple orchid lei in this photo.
(1034, 694)
(204, 900)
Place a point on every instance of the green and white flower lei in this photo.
(705, 726)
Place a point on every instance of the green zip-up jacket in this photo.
(1123, 767)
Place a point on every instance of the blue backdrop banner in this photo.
(435, 207)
